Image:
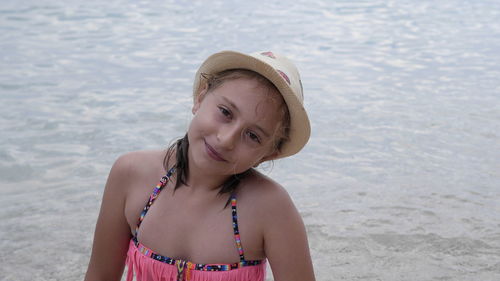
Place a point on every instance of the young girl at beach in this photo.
(212, 216)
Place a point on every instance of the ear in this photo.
(199, 98)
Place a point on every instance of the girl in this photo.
(214, 217)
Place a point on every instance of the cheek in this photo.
(201, 121)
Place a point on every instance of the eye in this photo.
(253, 136)
(224, 111)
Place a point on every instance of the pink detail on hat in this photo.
(284, 76)
(268, 54)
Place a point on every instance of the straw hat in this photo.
(281, 72)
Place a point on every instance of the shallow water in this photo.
(401, 177)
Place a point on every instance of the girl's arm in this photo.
(285, 241)
(112, 233)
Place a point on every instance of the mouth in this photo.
(213, 153)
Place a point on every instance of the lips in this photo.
(213, 153)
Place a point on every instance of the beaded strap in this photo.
(153, 197)
(237, 237)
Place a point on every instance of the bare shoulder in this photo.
(138, 161)
(267, 197)
(133, 168)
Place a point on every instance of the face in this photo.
(234, 127)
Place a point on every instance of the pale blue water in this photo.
(401, 177)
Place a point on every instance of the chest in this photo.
(196, 229)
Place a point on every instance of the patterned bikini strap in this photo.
(237, 237)
(153, 196)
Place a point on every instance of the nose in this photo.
(228, 136)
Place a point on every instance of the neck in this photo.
(201, 179)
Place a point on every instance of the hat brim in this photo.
(300, 129)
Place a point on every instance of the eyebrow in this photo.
(235, 108)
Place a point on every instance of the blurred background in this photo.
(400, 179)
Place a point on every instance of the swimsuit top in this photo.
(150, 266)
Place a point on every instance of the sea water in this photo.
(399, 181)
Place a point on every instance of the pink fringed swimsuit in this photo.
(150, 266)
